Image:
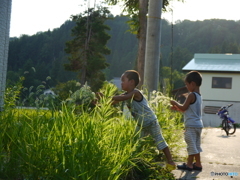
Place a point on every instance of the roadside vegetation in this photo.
(82, 141)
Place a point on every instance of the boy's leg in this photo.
(190, 161)
(168, 155)
(198, 160)
(155, 131)
(190, 137)
(198, 144)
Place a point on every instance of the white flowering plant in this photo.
(84, 96)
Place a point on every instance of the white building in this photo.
(220, 85)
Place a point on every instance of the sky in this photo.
(32, 16)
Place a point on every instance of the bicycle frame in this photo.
(227, 122)
(224, 114)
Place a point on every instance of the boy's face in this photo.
(190, 86)
(125, 82)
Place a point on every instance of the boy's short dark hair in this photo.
(132, 74)
(194, 76)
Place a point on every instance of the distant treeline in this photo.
(42, 55)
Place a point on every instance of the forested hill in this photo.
(45, 50)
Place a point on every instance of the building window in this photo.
(222, 82)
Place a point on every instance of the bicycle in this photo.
(228, 124)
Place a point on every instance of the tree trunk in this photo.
(83, 77)
(5, 14)
(143, 8)
(152, 56)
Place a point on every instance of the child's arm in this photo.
(183, 107)
(134, 94)
(174, 107)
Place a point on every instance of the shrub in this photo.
(64, 90)
(12, 94)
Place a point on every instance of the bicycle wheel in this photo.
(225, 126)
(232, 128)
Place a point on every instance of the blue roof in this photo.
(214, 62)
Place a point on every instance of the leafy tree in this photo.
(43, 51)
(180, 57)
(138, 10)
(226, 48)
(88, 47)
(177, 79)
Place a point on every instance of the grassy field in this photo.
(72, 142)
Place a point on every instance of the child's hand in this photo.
(172, 102)
(174, 108)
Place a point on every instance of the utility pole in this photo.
(5, 14)
(152, 56)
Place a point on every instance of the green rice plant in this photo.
(20, 134)
(98, 144)
(39, 145)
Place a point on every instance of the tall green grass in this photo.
(97, 143)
